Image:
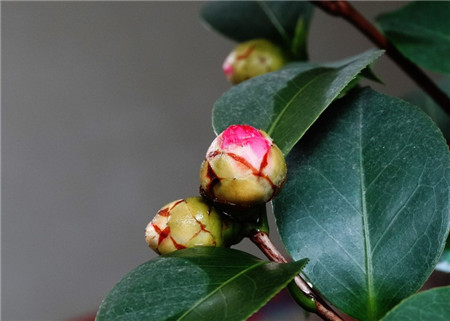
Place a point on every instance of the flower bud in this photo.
(187, 223)
(251, 59)
(242, 167)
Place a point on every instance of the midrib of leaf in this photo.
(276, 23)
(219, 288)
(367, 245)
(288, 104)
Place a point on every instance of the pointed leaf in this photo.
(367, 200)
(283, 22)
(285, 105)
(425, 306)
(421, 31)
(197, 284)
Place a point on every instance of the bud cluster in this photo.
(242, 168)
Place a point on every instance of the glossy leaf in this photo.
(283, 22)
(442, 120)
(431, 305)
(286, 103)
(421, 31)
(367, 201)
(197, 284)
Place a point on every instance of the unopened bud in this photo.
(252, 58)
(187, 223)
(242, 167)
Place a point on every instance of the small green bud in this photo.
(252, 58)
(242, 167)
(187, 223)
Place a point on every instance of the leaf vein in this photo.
(274, 20)
(219, 289)
(367, 246)
(288, 104)
(337, 242)
(396, 215)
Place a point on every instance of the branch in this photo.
(262, 240)
(349, 13)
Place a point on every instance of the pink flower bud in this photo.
(187, 223)
(252, 58)
(242, 167)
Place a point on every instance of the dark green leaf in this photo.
(421, 31)
(285, 104)
(431, 305)
(251, 102)
(368, 73)
(283, 22)
(439, 116)
(197, 284)
(367, 201)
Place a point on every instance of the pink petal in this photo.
(227, 68)
(237, 136)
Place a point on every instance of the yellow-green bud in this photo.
(252, 58)
(187, 223)
(242, 167)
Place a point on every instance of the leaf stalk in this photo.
(263, 242)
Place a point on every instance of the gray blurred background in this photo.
(106, 111)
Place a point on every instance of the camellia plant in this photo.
(358, 180)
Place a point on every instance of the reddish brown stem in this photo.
(262, 240)
(348, 12)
